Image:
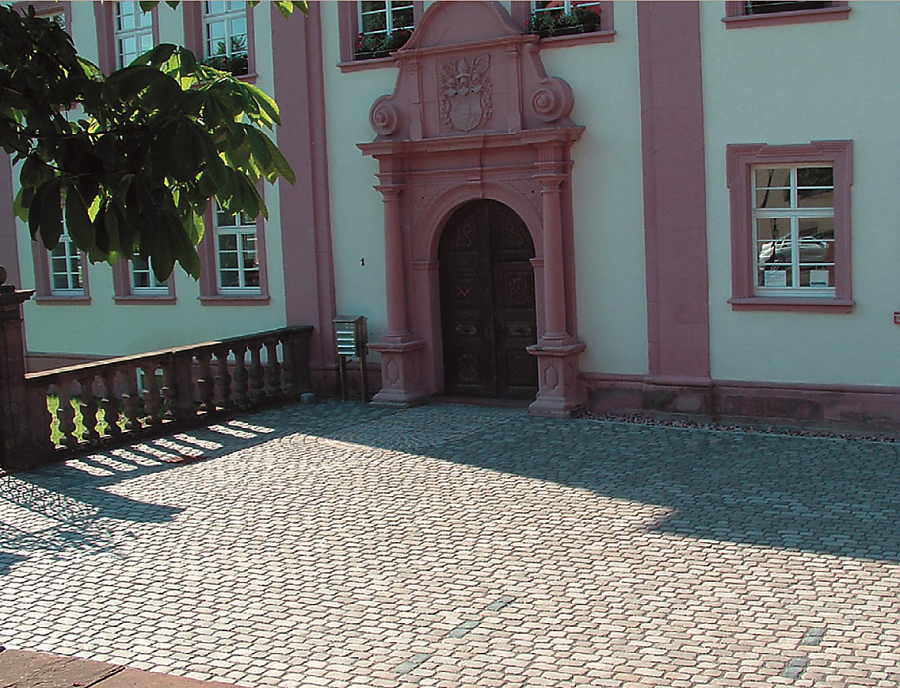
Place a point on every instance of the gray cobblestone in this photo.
(327, 545)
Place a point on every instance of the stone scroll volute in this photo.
(453, 82)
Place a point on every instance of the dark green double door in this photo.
(487, 303)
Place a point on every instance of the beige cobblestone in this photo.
(333, 543)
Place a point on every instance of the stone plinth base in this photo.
(401, 381)
(679, 396)
(560, 394)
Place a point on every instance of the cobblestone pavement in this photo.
(340, 545)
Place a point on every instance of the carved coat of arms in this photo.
(465, 92)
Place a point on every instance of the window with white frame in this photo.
(133, 31)
(237, 259)
(143, 280)
(793, 225)
(748, 14)
(790, 225)
(66, 278)
(225, 35)
(564, 17)
(753, 7)
(383, 27)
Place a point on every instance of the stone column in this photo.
(560, 393)
(400, 354)
(15, 435)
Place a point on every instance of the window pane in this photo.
(373, 23)
(774, 276)
(402, 18)
(773, 198)
(227, 242)
(773, 178)
(230, 278)
(228, 259)
(224, 219)
(817, 228)
(768, 228)
(815, 176)
(248, 242)
(816, 241)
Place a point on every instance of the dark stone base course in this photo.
(854, 409)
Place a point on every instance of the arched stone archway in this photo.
(474, 116)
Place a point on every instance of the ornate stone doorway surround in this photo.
(474, 116)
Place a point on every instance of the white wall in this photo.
(107, 328)
(791, 85)
(608, 197)
(357, 216)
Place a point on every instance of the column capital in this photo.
(550, 181)
(389, 192)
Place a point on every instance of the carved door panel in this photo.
(487, 303)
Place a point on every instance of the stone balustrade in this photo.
(116, 400)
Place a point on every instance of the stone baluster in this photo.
(257, 380)
(241, 398)
(89, 408)
(289, 365)
(66, 414)
(109, 403)
(205, 382)
(169, 389)
(40, 419)
(151, 394)
(273, 368)
(131, 400)
(183, 403)
(223, 379)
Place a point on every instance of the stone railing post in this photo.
(15, 429)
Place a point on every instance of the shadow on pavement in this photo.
(65, 506)
(820, 494)
(817, 494)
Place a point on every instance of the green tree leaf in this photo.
(79, 225)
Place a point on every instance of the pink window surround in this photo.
(126, 294)
(194, 39)
(210, 294)
(735, 18)
(348, 29)
(43, 292)
(105, 15)
(520, 11)
(740, 160)
(45, 7)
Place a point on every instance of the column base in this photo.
(401, 382)
(560, 394)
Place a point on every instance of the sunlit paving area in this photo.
(342, 545)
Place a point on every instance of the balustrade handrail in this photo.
(115, 400)
(49, 376)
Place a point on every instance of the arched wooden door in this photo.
(487, 303)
